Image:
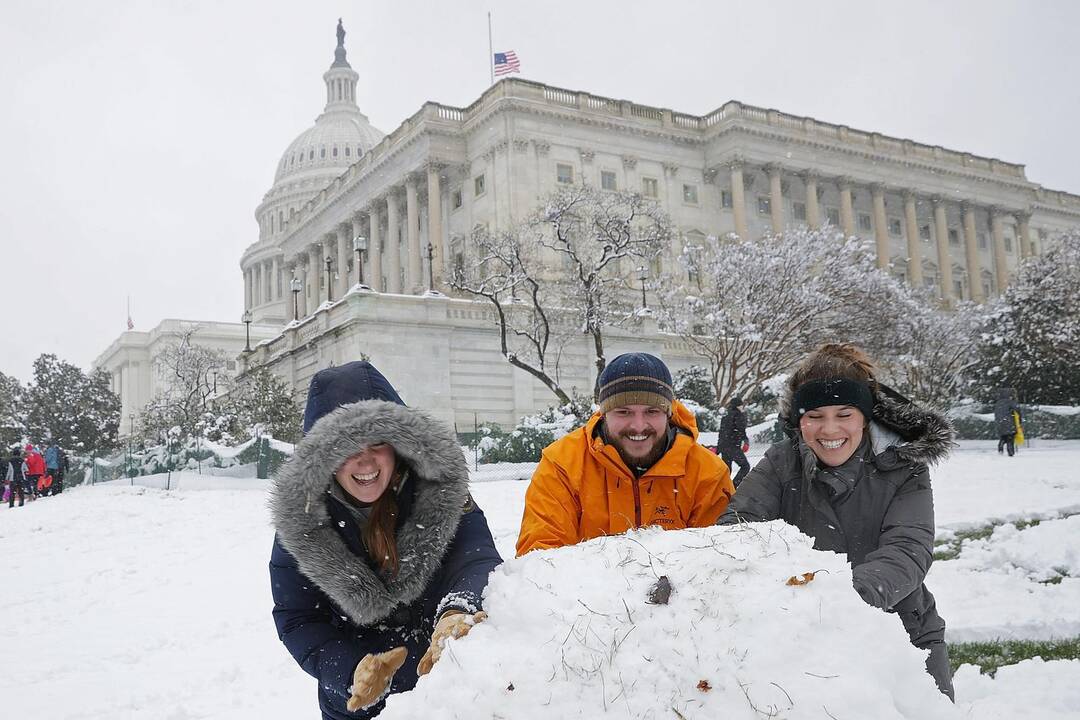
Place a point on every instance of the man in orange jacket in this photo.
(636, 463)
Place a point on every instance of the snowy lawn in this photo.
(134, 602)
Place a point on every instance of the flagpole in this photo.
(491, 52)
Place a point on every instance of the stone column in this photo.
(434, 212)
(847, 210)
(275, 277)
(1001, 265)
(971, 252)
(914, 248)
(302, 275)
(247, 288)
(393, 247)
(813, 211)
(413, 281)
(1023, 233)
(881, 225)
(259, 284)
(738, 199)
(344, 247)
(776, 198)
(944, 259)
(373, 271)
(314, 265)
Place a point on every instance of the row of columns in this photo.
(881, 230)
(337, 245)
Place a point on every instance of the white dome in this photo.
(337, 140)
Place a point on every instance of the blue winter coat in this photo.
(52, 458)
(331, 605)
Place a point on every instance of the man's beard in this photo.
(644, 461)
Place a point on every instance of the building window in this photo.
(725, 199)
(924, 232)
(958, 289)
(954, 236)
(311, 154)
(988, 288)
(834, 216)
(799, 210)
(1008, 244)
(865, 223)
(459, 265)
(689, 194)
(334, 151)
(455, 199)
(607, 180)
(230, 365)
(322, 152)
(982, 241)
(564, 173)
(347, 150)
(478, 185)
(895, 227)
(359, 151)
(764, 205)
(649, 187)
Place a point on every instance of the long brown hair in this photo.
(380, 533)
(835, 360)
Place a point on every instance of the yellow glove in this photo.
(453, 624)
(372, 677)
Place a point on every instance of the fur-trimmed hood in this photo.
(438, 488)
(914, 433)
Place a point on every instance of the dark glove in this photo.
(453, 624)
(372, 677)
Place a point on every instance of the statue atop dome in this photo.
(339, 51)
(340, 34)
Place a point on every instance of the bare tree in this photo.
(188, 384)
(563, 272)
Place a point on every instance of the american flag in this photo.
(506, 63)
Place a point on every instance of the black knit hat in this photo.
(636, 379)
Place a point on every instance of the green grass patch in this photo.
(950, 549)
(989, 656)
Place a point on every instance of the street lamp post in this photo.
(430, 267)
(246, 318)
(329, 280)
(643, 275)
(360, 245)
(295, 286)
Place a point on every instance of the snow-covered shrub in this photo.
(708, 420)
(533, 433)
(1050, 422)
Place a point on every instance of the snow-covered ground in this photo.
(137, 602)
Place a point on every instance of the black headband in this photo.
(834, 391)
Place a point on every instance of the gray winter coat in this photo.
(1003, 418)
(885, 523)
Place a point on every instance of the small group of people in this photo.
(381, 554)
(30, 475)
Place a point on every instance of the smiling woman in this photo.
(854, 476)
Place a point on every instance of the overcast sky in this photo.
(140, 136)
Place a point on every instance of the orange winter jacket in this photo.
(582, 489)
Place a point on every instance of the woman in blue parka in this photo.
(380, 553)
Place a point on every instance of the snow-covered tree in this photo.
(12, 422)
(78, 411)
(187, 377)
(1031, 339)
(758, 306)
(566, 271)
(695, 383)
(260, 398)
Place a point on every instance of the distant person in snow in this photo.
(381, 554)
(854, 477)
(1004, 422)
(34, 469)
(55, 465)
(13, 476)
(636, 462)
(733, 442)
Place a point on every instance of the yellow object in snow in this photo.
(1019, 437)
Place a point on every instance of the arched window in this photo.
(334, 151)
(347, 150)
(311, 154)
(322, 152)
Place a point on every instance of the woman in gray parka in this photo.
(853, 475)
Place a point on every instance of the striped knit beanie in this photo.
(636, 379)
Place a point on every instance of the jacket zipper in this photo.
(637, 504)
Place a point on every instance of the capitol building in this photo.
(951, 221)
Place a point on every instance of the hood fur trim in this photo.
(298, 504)
(915, 433)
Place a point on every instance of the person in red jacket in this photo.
(35, 469)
